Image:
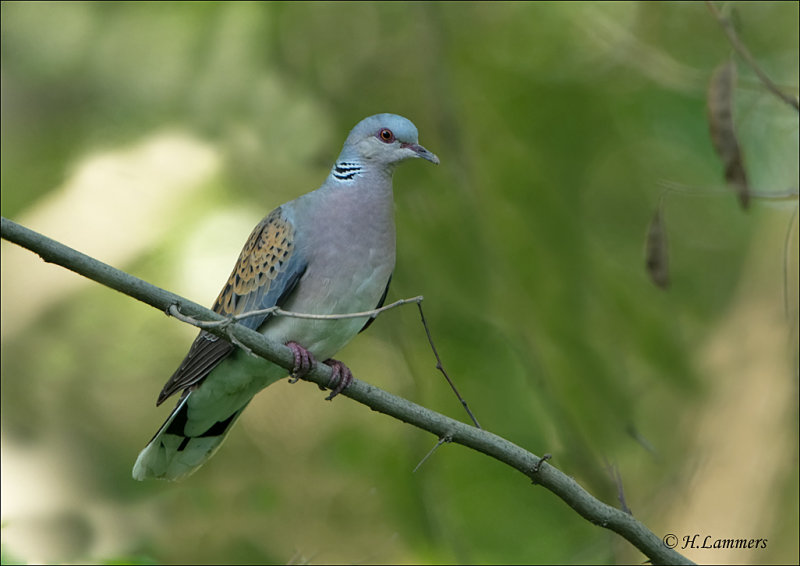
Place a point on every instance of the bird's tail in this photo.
(173, 454)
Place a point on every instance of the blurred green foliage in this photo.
(555, 124)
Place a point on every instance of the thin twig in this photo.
(372, 314)
(613, 470)
(669, 186)
(442, 440)
(440, 367)
(174, 311)
(787, 258)
(277, 311)
(742, 50)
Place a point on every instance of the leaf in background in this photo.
(656, 254)
(723, 135)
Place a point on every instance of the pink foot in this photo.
(303, 361)
(341, 377)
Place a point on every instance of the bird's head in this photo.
(385, 139)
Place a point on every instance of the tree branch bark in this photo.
(534, 467)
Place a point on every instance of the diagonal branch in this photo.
(532, 466)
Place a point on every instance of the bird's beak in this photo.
(422, 152)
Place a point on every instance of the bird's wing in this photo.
(266, 273)
(380, 304)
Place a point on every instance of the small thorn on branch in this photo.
(538, 465)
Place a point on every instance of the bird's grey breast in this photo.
(346, 237)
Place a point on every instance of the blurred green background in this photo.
(153, 136)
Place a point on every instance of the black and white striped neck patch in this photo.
(347, 170)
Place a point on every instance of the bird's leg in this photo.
(341, 377)
(303, 361)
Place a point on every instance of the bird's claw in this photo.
(341, 377)
(303, 361)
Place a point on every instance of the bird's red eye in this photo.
(386, 135)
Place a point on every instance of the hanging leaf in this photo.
(656, 254)
(723, 135)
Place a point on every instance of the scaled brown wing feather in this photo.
(265, 274)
